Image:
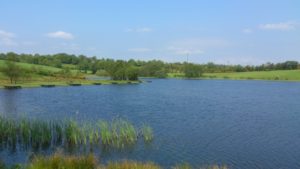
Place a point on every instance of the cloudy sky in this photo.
(230, 32)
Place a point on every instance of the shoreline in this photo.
(69, 84)
(219, 78)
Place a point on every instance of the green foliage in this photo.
(132, 73)
(130, 70)
(72, 133)
(153, 69)
(12, 71)
(65, 72)
(102, 72)
(192, 70)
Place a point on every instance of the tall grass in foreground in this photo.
(59, 161)
(41, 134)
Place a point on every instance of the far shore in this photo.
(34, 84)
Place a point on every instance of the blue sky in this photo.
(230, 32)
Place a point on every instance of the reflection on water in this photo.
(9, 104)
(244, 124)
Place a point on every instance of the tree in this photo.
(132, 73)
(192, 70)
(13, 71)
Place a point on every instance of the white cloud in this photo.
(4, 34)
(283, 26)
(247, 31)
(139, 50)
(7, 38)
(60, 35)
(139, 30)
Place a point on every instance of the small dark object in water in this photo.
(12, 87)
(47, 85)
(97, 83)
(149, 81)
(75, 84)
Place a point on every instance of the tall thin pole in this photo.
(187, 57)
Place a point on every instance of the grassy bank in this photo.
(47, 75)
(60, 161)
(283, 75)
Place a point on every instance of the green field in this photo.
(28, 66)
(291, 75)
(37, 80)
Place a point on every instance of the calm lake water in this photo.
(244, 124)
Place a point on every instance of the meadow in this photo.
(282, 75)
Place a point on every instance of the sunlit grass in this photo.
(131, 165)
(60, 161)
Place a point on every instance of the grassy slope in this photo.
(28, 66)
(37, 80)
(292, 75)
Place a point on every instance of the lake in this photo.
(243, 124)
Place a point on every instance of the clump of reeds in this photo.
(72, 133)
(41, 134)
(118, 133)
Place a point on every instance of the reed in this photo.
(105, 133)
(72, 133)
(57, 133)
(147, 133)
(25, 131)
(38, 134)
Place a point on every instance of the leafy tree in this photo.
(192, 70)
(12, 71)
(153, 68)
(132, 73)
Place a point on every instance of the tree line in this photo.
(132, 69)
